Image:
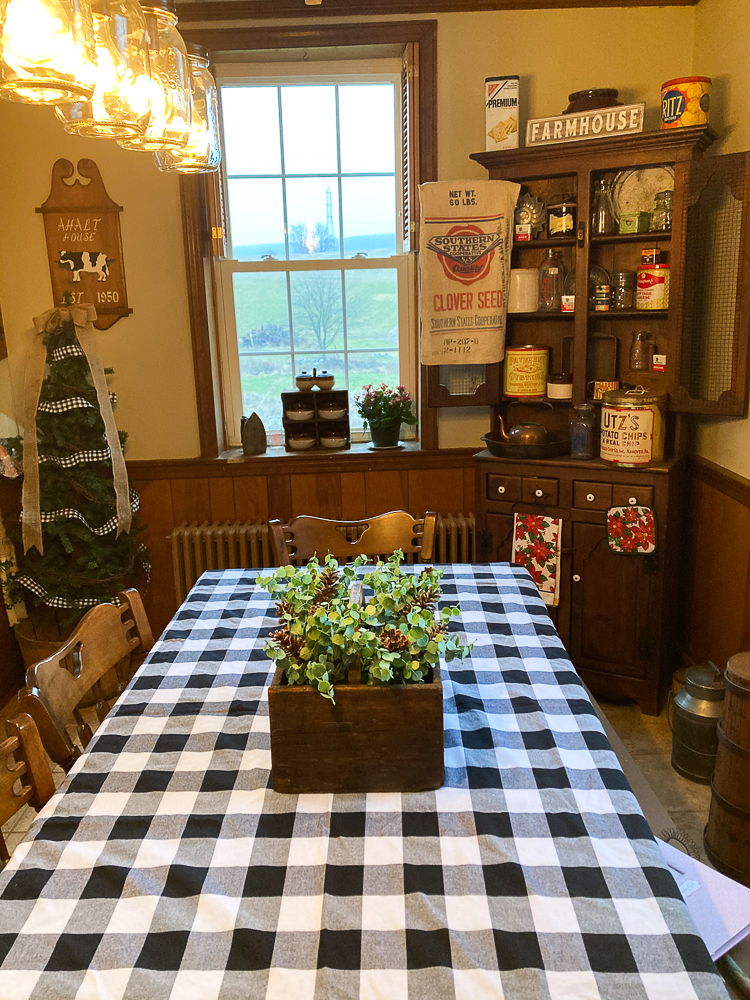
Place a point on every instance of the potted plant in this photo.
(356, 702)
(383, 409)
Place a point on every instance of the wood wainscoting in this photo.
(256, 489)
(717, 544)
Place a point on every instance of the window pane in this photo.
(368, 128)
(372, 309)
(312, 211)
(333, 363)
(317, 310)
(251, 130)
(256, 217)
(369, 215)
(261, 312)
(309, 117)
(370, 369)
(263, 381)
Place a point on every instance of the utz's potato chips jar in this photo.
(685, 101)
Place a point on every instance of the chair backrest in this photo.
(24, 772)
(305, 536)
(102, 639)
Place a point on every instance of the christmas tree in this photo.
(84, 559)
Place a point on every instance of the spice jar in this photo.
(623, 289)
(583, 431)
(560, 386)
(561, 216)
(640, 351)
(661, 218)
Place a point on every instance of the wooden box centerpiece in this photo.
(356, 702)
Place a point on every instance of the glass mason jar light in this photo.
(202, 152)
(121, 104)
(169, 126)
(47, 53)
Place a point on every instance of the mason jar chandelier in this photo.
(114, 69)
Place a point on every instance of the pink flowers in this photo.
(384, 405)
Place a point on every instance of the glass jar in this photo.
(583, 435)
(47, 51)
(169, 126)
(551, 280)
(661, 219)
(640, 351)
(559, 386)
(604, 219)
(202, 152)
(623, 289)
(120, 107)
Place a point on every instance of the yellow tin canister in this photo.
(525, 371)
(632, 431)
(685, 101)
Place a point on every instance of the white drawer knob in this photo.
(501, 489)
(590, 497)
(576, 578)
(632, 501)
(539, 493)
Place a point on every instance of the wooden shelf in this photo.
(631, 314)
(557, 241)
(542, 315)
(633, 238)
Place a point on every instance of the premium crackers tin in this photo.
(501, 112)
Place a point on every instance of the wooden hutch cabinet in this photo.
(617, 614)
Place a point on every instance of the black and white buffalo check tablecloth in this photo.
(166, 869)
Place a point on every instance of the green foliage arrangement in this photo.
(396, 636)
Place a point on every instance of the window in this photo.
(315, 276)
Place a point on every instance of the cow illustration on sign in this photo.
(82, 226)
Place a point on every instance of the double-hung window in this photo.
(315, 275)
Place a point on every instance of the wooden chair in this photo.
(104, 638)
(305, 536)
(24, 773)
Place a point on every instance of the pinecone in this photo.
(291, 644)
(283, 607)
(393, 639)
(428, 596)
(327, 587)
(436, 631)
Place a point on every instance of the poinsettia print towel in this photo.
(536, 546)
(631, 530)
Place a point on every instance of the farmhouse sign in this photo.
(84, 247)
(597, 124)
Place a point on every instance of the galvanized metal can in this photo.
(697, 709)
(632, 428)
(525, 371)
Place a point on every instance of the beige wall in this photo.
(554, 52)
(722, 51)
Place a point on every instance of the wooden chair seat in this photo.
(24, 773)
(106, 639)
(306, 536)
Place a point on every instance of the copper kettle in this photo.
(524, 433)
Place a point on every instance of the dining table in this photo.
(166, 867)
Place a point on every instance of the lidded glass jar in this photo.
(661, 218)
(169, 126)
(120, 107)
(623, 289)
(47, 51)
(202, 152)
(583, 434)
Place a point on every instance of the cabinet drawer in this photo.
(596, 496)
(630, 496)
(536, 490)
(504, 488)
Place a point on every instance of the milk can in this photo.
(696, 712)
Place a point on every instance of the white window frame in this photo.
(246, 74)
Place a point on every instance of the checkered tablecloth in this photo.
(166, 868)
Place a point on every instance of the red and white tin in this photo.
(652, 290)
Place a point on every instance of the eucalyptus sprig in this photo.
(396, 637)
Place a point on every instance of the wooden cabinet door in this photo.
(499, 539)
(610, 607)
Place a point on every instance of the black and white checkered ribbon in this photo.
(86, 602)
(79, 458)
(72, 351)
(72, 403)
(68, 513)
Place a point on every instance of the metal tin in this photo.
(653, 287)
(602, 297)
(685, 101)
(525, 371)
(632, 428)
(651, 255)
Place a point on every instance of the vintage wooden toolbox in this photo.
(374, 739)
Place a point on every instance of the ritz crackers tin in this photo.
(685, 101)
(525, 371)
(632, 431)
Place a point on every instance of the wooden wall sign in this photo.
(84, 246)
(596, 124)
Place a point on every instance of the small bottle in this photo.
(640, 351)
(623, 289)
(583, 436)
(661, 218)
(604, 219)
(551, 278)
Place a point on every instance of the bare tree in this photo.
(317, 296)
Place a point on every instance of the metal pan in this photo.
(558, 446)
